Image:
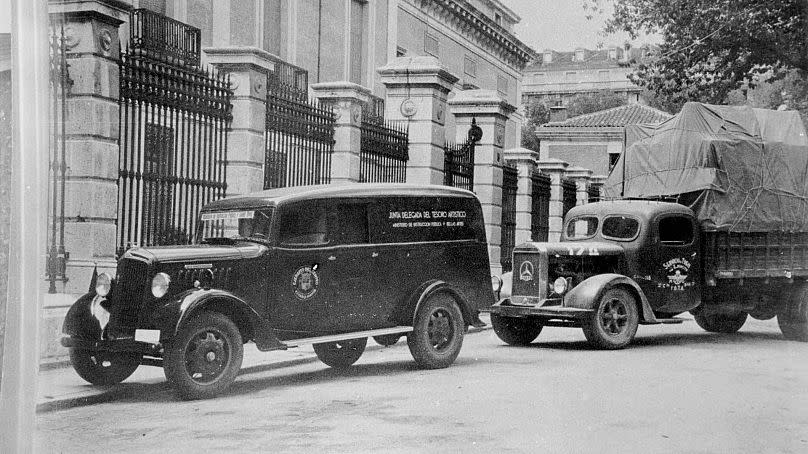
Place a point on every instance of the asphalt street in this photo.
(677, 389)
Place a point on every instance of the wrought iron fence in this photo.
(569, 196)
(510, 181)
(384, 149)
(540, 207)
(59, 85)
(458, 160)
(299, 137)
(162, 38)
(174, 118)
(593, 193)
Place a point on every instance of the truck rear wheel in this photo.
(437, 332)
(793, 320)
(614, 321)
(341, 354)
(515, 331)
(720, 322)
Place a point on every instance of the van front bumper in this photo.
(526, 306)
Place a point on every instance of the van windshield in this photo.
(234, 224)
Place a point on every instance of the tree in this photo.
(537, 113)
(711, 47)
(790, 92)
(593, 102)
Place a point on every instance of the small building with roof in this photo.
(595, 140)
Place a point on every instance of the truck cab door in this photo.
(676, 265)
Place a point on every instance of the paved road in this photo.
(677, 389)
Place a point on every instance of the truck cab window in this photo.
(675, 230)
(582, 227)
(620, 227)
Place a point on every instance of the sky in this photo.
(561, 25)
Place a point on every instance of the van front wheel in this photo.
(341, 354)
(515, 331)
(437, 333)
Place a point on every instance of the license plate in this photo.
(151, 336)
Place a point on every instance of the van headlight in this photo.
(159, 285)
(560, 286)
(103, 283)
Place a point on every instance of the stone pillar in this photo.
(91, 127)
(490, 112)
(598, 181)
(417, 88)
(555, 168)
(581, 177)
(525, 161)
(347, 100)
(248, 68)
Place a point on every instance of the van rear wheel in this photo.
(720, 322)
(387, 340)
(793, 320)
(341, 354)
(515, 331)
(614, 321)
(437, 333)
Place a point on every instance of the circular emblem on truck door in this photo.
(305, 281)
(526, 271)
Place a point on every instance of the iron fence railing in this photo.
(162, 38)
(569, 196)
(384, 146)
(458, 160)
(510, 180)
(540, 207)
(593, 192)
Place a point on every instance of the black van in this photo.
(322, 265)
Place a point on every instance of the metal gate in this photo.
(174, 117)
(569, 196)
(510, 181)
(384, 149)
(540, 207)
(593, 192)
(458, 160)
(299, 133)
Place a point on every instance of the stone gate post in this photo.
(417, 88)
(346, 99)
(581, 178)
(491, 112)
(525, 161)
(555, 168)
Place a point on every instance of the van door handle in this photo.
(332, 258)
(375, 254)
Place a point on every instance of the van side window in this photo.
(350, 223)
(304, 224)
(675, 230)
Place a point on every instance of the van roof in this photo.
(274, 197)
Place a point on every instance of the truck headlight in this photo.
(560, 286)
(159, 285)
(103, 283)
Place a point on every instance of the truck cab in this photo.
(618, 264)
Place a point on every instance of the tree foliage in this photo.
(594, 102)
(537, 113)
(710, 47)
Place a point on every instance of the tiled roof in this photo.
(630, 114)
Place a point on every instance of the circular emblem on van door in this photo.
(526, 271)
(305, 281)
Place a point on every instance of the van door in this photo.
(676, 268)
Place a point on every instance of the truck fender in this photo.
(79, 321)
(587, 294)
(406, 316)
(175, 313)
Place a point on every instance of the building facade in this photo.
(558, 76)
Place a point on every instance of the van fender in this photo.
(170, 318)
(587, 294)
(406, 315)
(79, 321)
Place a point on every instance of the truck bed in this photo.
(732, 255)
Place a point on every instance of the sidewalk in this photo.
(61, 388)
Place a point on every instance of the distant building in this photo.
(558, 76)
(593, 141)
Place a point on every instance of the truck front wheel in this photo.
(614, 321)
(515, 331)
(720, 322)
(793, 320)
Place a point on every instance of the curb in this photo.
(125, 390)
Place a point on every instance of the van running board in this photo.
(347, 336)
(664, 321)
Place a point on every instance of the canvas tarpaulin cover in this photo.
(740, 169)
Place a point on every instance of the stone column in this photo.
(525, 161)
(347, 100)
(417, 88)
(581, 177)
(91, 127)
(555, 168)
(248, 68)
(598, 181)
(490, 112)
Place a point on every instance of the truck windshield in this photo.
(240, 224)
(582, 227)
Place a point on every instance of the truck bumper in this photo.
(506, 308)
